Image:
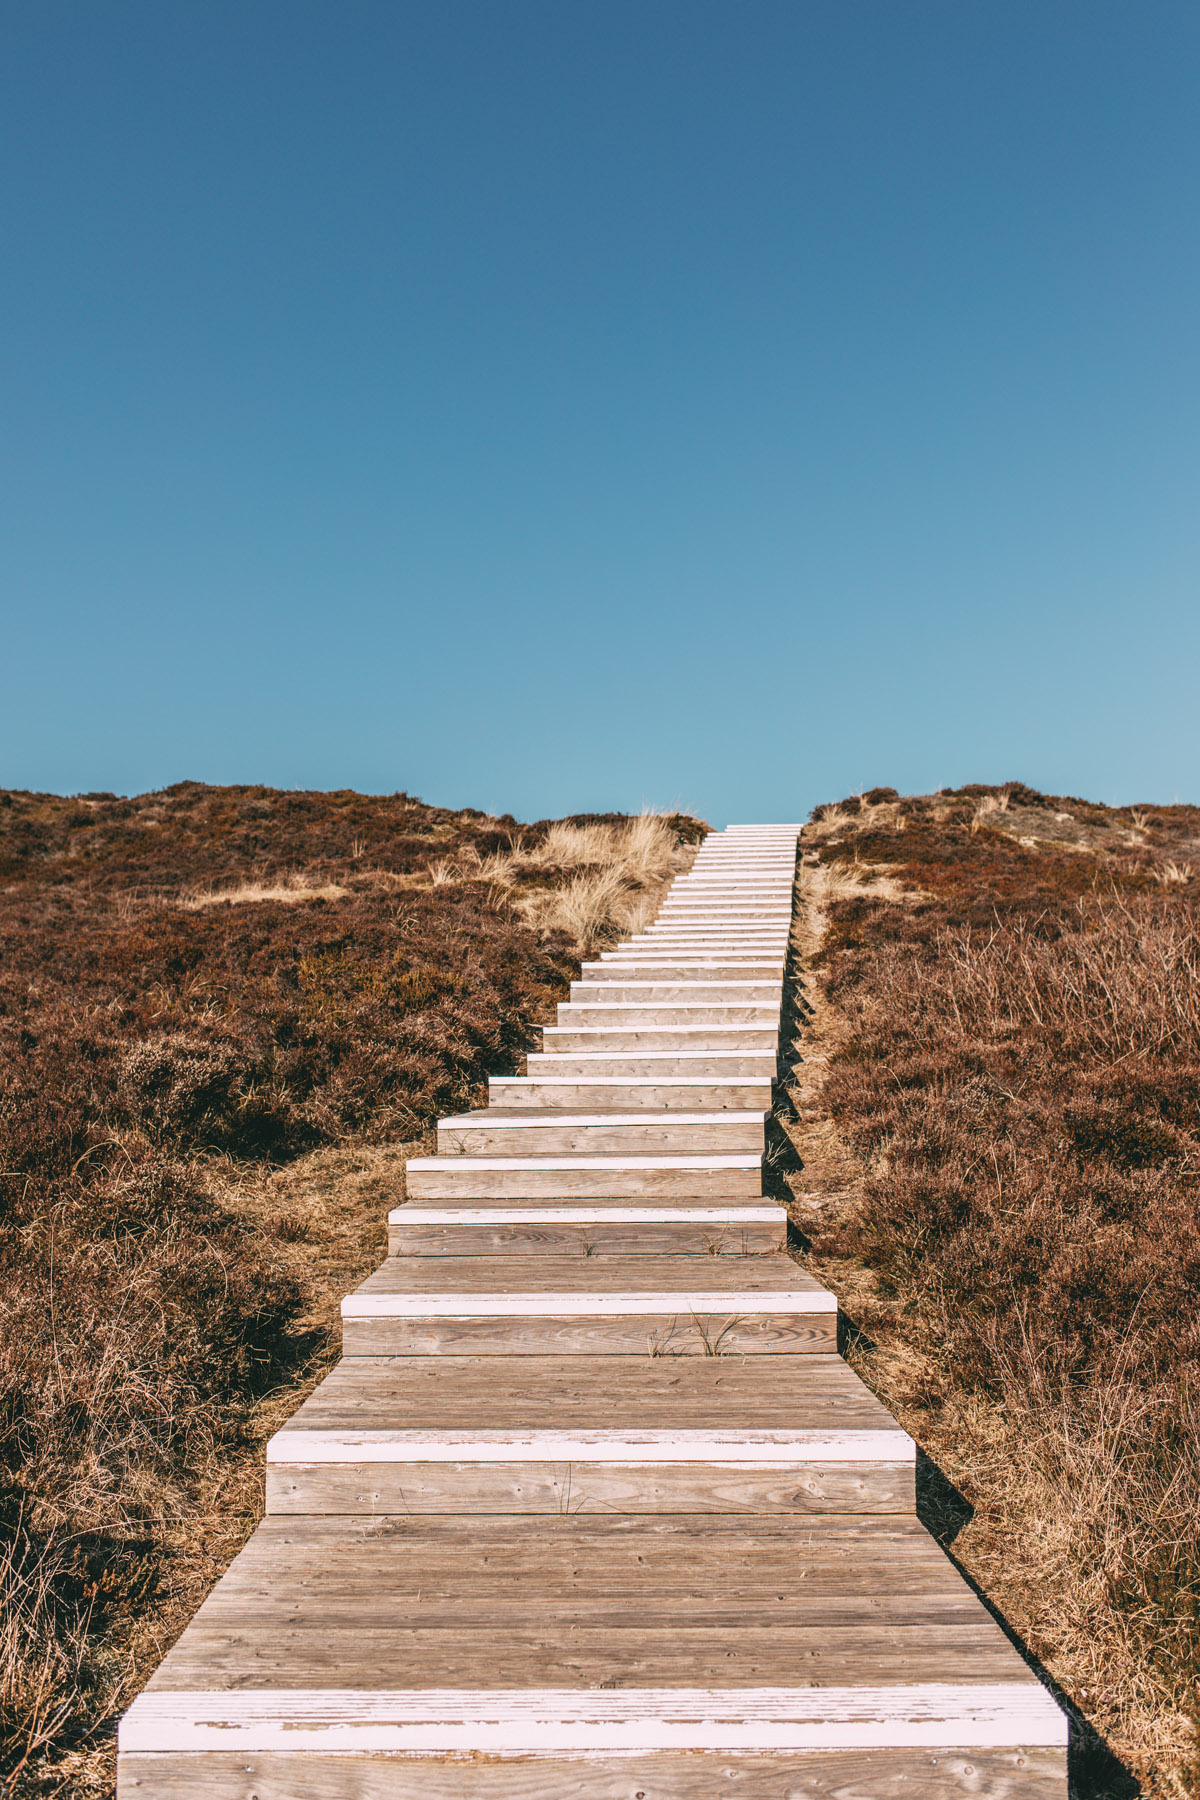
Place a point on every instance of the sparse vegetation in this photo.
(1000, 1130)
(209, 999)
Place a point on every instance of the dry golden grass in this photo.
(593, 882)
(624, 870)
(289, 893)
(824, 882)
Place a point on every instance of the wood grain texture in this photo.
(545, 1131)
(729, 1065)
(716, 1177)
(651, 1720)
(628, 1486)
(671, 1334)
(736, 1282)
(684, 1094)
(533, 1236)
(1025, 1773)
(759, 1040)
(807, 1393)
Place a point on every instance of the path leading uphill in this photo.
(591, 1508)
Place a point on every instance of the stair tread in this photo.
(581, 1280)
(572, 1395)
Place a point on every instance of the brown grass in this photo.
(205, 1093)
(999, 1128)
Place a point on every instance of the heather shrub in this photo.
(1020, 1074)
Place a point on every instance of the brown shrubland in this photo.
(1002, 1166)
(221, 1010)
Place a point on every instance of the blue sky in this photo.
(552, 407)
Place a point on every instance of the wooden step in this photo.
(499, 1131)
(674, 936)
(686, 965)
(722, 912)
(625, 990)
(598, 1228)
(685, 946)
(620, 1015)
(762, 1039)
(596, 1065)
(706, 941)
(730, 931)
(603, 1433)
(718, 1176)
(681, 955)
(643, 1658)
(704, 956)
(688, 1093)
(589, 1306)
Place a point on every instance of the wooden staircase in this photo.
(591, 1508)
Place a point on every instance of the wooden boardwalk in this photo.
(591, 1508)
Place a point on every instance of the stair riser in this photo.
(583, 1184)
(635, 1334)
(761, 1039)
(684, 943)
(637, 1018)
(725, 1138)
(751, 965)
(687, 950)
(677, 968)
(538, 1487)
(1027, 1772)
(746, 1066)
(673, 974)
(536, 1239)
(699, 992)
(751, 933)
(724, 913)
(612, 1096)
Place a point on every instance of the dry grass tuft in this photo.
(592, 881)
(620, 882)
(293, 893)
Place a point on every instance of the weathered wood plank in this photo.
(564, 1393)
(530, 1232)
(674, 1334)
(297, 1485)
(1024, 1773)
(547, 1131)
(716, 1176)
(494, 1279)
(691, 1717)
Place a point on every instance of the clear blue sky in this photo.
(549, 407)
